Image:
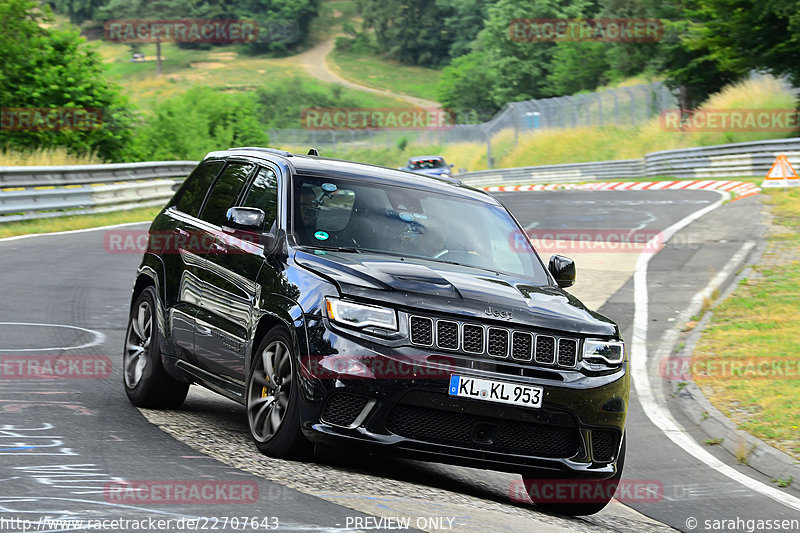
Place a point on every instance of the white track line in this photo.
(85, 230)
(651, 402)
(99, 338)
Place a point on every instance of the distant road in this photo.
(315, 61)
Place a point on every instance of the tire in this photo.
(146, 381)
(582, 508)
(273, 398)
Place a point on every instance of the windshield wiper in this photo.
(333, 248)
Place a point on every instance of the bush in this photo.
(199, 121)
(49, 68)
(281, 105)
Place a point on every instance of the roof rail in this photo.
(261, 149)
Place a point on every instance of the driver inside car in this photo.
(309, 211)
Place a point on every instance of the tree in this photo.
(741, 35)
(691, 68)
(463, 85)
(78, 11)
(521, 68)
(578, 66)
(47, 68)
(201, 120)
(411, 31)
(462, 20)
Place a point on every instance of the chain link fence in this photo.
(623, 106)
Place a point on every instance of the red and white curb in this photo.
(739, 189)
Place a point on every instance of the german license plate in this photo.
(490, 390)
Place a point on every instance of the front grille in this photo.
(604, 445)
(421, 330)
(473, 338)
(497, 342)
(567, 352)
(510, 436)
(545, 349)
(343, 409)
(447, 334)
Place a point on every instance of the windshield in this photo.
(409, 222)
(426, 163)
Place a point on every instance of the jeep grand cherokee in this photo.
(354, 306)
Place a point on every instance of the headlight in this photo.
(612, 352)
(360, 315)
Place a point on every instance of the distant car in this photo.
(430, 165)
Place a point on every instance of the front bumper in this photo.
(389, 397)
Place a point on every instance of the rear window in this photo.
(427, 163)
(190, 196)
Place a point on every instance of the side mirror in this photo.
(451, 165)
(563, 269)
(245, 219)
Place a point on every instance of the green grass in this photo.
(760, 324)
(228, 68)
(386, 74)
(50, 225)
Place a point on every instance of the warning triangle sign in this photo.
(781, 174)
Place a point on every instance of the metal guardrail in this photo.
(748, 159)
(88, 174)
(572, 172)
(43, 192)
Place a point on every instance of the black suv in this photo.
(351, 305)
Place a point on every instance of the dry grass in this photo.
(583, 144)
(42, 157)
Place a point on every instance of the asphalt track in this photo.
(64, 441)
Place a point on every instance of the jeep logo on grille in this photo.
(491, 311)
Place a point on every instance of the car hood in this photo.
(424, 286)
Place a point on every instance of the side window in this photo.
(226, 190)
(191, 194)
(263, 194)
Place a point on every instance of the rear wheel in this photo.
(147, 384)
(601, 491)
(273, 398)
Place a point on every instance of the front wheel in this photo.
(273, 398)
(597, 493)
(147, 383)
